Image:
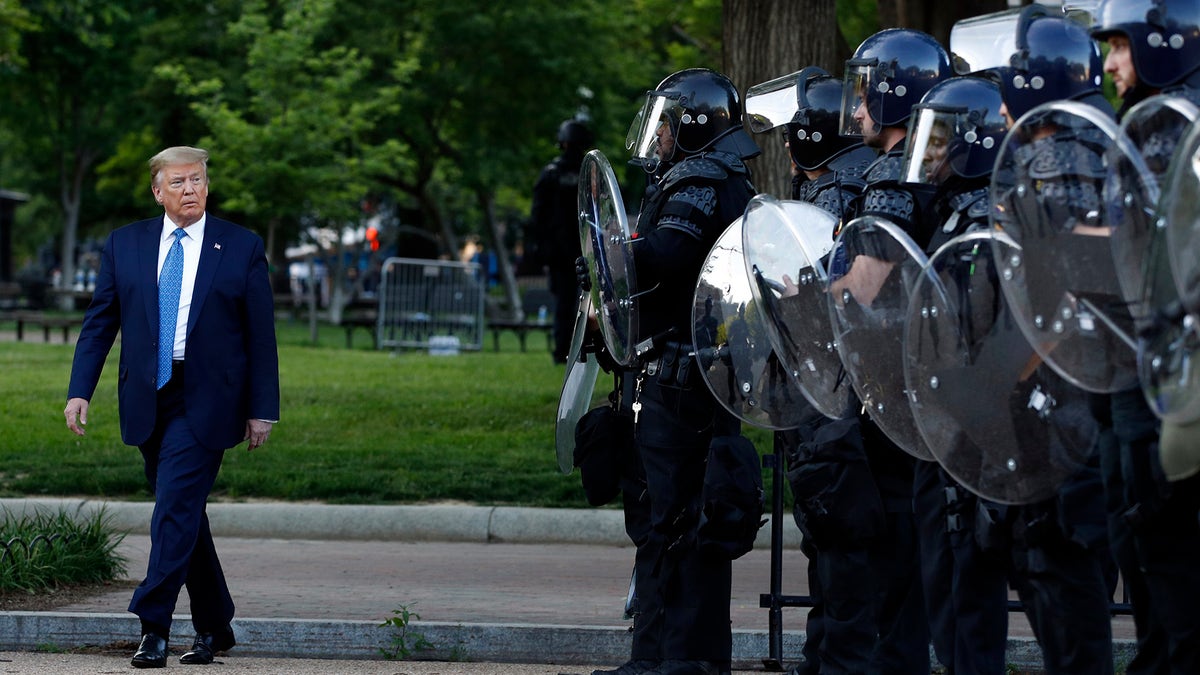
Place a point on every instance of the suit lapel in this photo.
(210, 258)
(147, 271)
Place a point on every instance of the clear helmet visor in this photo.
(652, 135)
(856, 88)
(932, 134)
(984, 42)
(772, 104)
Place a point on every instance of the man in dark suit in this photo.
(198, 286)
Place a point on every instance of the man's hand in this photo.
(257, 432)
(76, 414)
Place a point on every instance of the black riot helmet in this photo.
(808, 105)
(700, 107)
(1055, 59)
(1164, 36)
(889, 73)
(574, 134)
(955, 130)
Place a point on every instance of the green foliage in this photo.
(405, 641)
(858, 20)
(47, 550)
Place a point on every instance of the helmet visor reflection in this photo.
(772, 104)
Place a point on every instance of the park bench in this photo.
(530, 320)
(48, 322)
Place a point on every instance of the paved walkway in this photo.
(495, 589)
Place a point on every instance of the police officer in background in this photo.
(953, 140)
(1061, 565)
(1154, 46)
(888, 74)
(839, 525)
(690, 141)
(555, 221)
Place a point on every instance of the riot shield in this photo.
(784, 242)
(868, 305)
(605, 239)
(1001, 422)
(1061, 280)
(735, 353)
(1154, 127)
(1169, 367)
(1179, 209)
(579, 385)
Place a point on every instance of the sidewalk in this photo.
(490, 585)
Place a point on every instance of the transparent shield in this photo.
(732, 344)
(868, 305)
(578, 390)
(1154, 128)
(605, 235)
(994, 416)
(1179, 208)
(1061, 279)
(1169, 366)
(784, 243)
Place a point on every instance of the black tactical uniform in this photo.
(1060, 562)
(1152, 521)
(681, 620)
(555, 219)
(827, 475)
(889, 73)
(965, 587)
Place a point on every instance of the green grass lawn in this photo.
(358, 426)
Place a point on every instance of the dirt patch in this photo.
(51, 599)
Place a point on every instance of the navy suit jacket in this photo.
(231, 365)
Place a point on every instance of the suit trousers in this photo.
(181, 474)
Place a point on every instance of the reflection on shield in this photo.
(784, 242)
(1154, 128)
(605, 238)
(993, 414)
(1180, 209)
(868, 305)
(1060, 278)
(1166, 333)
(579, 386)
(736, 358)
(1168, 363)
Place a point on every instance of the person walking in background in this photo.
(556, 227)
(199, 374)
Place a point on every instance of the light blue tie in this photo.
(170, 282)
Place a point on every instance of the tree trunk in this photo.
(765, 39)
(507, 277)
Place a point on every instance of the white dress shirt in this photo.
(192, 245)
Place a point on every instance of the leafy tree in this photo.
(66, 100)
(286, 128)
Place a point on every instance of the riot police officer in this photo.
(827, 168)
(1153, 47)
(888, 74)
(689, 139)
(953, 139)
(1060, 559)
(555, 222)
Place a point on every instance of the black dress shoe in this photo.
(672, 667)
(206, 646)
(151, 653)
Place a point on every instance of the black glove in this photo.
(582, 277)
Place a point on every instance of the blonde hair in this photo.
(173, 156)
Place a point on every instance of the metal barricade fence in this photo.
(420, 299)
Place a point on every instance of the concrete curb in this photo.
(363, 640)
(438, 522)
